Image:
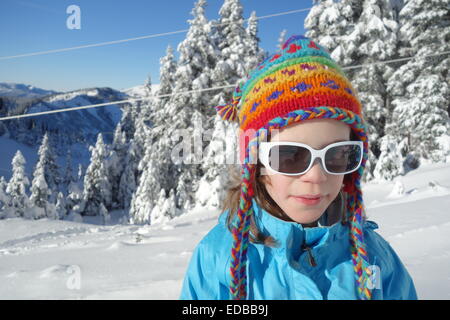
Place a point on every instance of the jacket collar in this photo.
(293, 234)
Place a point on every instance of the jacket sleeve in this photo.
(204, 276)
(396, 283)
(195, 284)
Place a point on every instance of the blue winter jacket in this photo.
(287, 272)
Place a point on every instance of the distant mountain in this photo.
(19, 90)
(65, 128)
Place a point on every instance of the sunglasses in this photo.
(293, 158)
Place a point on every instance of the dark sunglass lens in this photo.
(343, 158)
(289, 159)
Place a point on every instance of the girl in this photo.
(294, 226)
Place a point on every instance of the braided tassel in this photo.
(240, 235)
(357, 247)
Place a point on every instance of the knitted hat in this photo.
(298, 83)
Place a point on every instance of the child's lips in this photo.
(309, 199)
(309, 196)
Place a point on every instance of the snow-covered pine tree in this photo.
(68, 175)
(234, 44)
(97, 187)
(376, 34)
(148, 85)
(49, 167)
(221, 152)
(196, 60)
(240, 52)
(140, 199)
(60, 208)
(167, 69)
(420, 88)
(40, 191)
(75, 203)
(127, 184)
(116, 164)
(254, 52)
(147, 193)
(164, 209)
(4, 198)
(332, 25)
(17, 188)
(361, 33)
(389, 164)
(130, 114)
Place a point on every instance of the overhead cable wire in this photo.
(156, 35)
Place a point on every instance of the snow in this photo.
(139, 91)
(9, 147)
(57, 259)
(9, 89)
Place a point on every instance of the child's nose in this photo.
(316, 173)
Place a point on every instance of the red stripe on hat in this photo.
(284, 107)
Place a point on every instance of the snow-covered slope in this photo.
(139, 91)
(9, 89)
(65, 128)
(68, 260)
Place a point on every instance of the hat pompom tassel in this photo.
(227, 112)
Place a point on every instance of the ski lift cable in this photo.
(156, 35)
(187, 92)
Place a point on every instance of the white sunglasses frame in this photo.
(264, 149)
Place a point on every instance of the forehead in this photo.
(316, 132)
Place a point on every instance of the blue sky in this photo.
(28, 26)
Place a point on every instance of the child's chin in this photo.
(306, 215)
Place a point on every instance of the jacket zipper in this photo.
(311, 259)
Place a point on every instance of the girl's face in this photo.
(286, 190)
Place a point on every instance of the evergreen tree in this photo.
(4, 198)
(237, 49)
(49, 167)
(60, 208)
(221, 152)
(97, 187)
(361, 33)
(40, 191)
(167, 70)
(196, 60)
(147, 193)
(116, 165)
(148, 86)
(165, 208)
(127, 184)
(420, 88)
(332, 25)
(377, 41)
(68, 176)
(254, 53)
(75, 203)
(17, 188)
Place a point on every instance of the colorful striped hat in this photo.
(298, 83)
